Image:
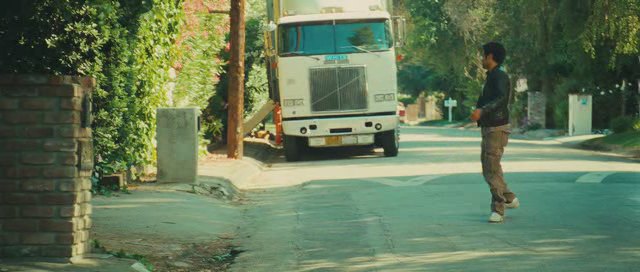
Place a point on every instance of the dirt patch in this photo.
(160, 254)
(262, 150)
(216, 256)
(213, 187)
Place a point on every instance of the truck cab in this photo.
(332, 69)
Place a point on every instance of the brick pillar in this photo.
(537, 108)
(46, 157)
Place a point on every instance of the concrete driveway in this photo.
(426, 210)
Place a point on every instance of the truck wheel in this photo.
(291, 148)
(390, 142)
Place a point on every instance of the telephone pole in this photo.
(235, 134)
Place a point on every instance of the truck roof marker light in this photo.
(332, 10)
(274, 65)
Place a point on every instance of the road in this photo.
(426, 210)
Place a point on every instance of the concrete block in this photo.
(177, 135)
(115, 181)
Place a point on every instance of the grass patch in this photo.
(140, 258)
(98, 247)
(624, 140)
(627, 143)
(109, 191)
(441, 123)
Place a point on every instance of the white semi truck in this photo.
(332, 69)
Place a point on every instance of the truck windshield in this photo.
(321, 38)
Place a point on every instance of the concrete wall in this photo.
(412, 112)
(580, 114)
(46, 158)
(432, 112)
(178, 144)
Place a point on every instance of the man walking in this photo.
(492, 115)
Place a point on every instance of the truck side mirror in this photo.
(270, 27)
(400, 30)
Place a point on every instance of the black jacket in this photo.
(495, 99)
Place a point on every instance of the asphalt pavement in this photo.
(427, 210)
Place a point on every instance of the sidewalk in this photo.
(175, 227)
(88, 264)
(162, 223)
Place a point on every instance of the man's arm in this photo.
(500, 91)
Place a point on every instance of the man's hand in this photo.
(475, 116)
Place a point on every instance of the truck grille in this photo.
(338, 89)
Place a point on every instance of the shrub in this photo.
(407, 100)
(625, 124)
(533, 126)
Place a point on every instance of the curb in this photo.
(235, 175)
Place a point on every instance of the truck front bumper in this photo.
(350, 130)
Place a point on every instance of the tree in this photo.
(446, 39)
(256, 89)
(560, 47)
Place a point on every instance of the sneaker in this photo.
(515, 203)
(496, 218)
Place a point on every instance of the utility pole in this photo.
(235, 134)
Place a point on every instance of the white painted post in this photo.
(450, 103)
(450, 111)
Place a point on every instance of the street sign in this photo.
(450, 103)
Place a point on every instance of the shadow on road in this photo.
(438, 223)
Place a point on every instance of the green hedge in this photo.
(126, 45)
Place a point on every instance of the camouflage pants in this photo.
(494, 140)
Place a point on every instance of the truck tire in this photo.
(292, 148)
(390, 141)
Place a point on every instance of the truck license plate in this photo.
(333, 140)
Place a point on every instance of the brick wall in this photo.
(46, 159)
(537, 108)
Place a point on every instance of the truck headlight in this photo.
(293, 102)
(385, 97)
